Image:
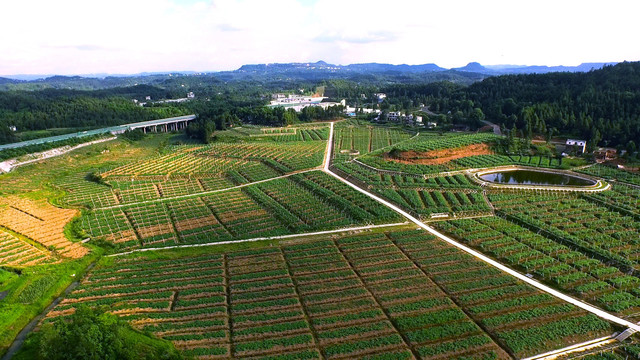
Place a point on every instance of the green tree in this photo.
(290, 117)
(93, 334)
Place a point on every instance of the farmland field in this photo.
(301, 203)
(431, 153)
(586, 277)
(353, 137)
(237, 289)
(281, 301)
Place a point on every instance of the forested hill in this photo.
(601, 105)
(50, 108)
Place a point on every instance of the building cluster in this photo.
(299, 102)
(293, 99)
(353, 111)
(409, 120)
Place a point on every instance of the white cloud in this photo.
(126, 36)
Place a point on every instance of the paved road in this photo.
(113, 129)
(590, 308)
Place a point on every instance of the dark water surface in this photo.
(531, 177)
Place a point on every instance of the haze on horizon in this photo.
(69, 37)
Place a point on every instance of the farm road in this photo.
(590, 308)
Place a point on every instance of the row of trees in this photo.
(27, 111)
(216, 118)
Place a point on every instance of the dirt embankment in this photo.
(437, 157)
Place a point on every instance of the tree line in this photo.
(602, 106)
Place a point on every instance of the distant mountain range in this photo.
(367, 72)
(382, 68)
(356, 68)
(533, 69)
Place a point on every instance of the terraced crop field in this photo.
(364, 139)
(367, 176)
(188, 170)
(608, 172)
(42, 223)
(434, 141)
(586, 277)
(429, 145)
(301, 203)
(425, 203)
(17, 252)
(400, 295)
(366, 294)
(592, 228)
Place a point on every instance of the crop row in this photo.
(594, 229)
(371, 177)
(366, 139)
(609, 172)
(555, 263)
(486, 293)
(425, 203)
(367, 295)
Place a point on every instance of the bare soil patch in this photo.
(437, 157)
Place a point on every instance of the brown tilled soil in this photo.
(437, 157)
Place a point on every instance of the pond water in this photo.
(532, 177)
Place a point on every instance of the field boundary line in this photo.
(279, 237)
(590, 308)
(204, 193)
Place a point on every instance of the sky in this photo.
(69, 37)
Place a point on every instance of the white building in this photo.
(13, 128)
(191, 95)
(394, 116)
(579, 145)
(296, 100)
(353, 110)
(380, 96)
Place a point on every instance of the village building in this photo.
(575, 146)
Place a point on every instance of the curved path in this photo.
(590, 308)
(475, 174)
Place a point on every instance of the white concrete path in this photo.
(588, 345)
(203, 193)
(590, 308)
(358, 228)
